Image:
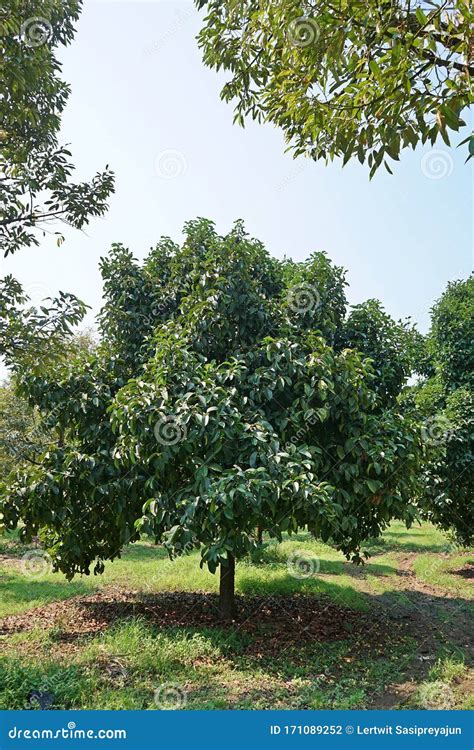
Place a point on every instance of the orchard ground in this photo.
(313, 630)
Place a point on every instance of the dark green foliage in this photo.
(447, 402)
(389, 344)
(216, 403)
(452, 334)
(449, 491)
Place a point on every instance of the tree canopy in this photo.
(446, 398)
(35, 170)
(345, 79)
(36, 190)
(221, 398)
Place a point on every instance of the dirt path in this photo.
(435, 616)
(435, 608)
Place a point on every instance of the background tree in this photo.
(393, 346)
(24, 435)
(216, 403)
(34, 169)
(21, 434)
(446, 399)
(346, 79)
(452, 335)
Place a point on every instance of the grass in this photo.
(445, 686)
(419, 538)
(439, 571)
(144, 566)
(136, 664)
(125, 668)
(20, 593)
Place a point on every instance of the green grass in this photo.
(439, 571)
(444, 687)
(127, 665)
(144, 566)
(209, 669)
(397, 538)
(21, 593)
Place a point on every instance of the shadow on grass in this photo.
(19, 589)
(140, 551)
(390, 542)
(440, 610)
(467, 571)
(283, 584)
(67, 686)
(294, 635)
(143, 550)
(274, 555)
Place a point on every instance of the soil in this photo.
(466, 572)
(434, 616)
(272, 621)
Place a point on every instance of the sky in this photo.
(143, 102)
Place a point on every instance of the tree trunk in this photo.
(227, 609)
(259, 534)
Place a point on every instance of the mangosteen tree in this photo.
(231, 391)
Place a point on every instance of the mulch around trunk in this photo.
(271, 621)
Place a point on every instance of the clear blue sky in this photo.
(139, 88)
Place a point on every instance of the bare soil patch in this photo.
(274, 623)
(466, 572)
